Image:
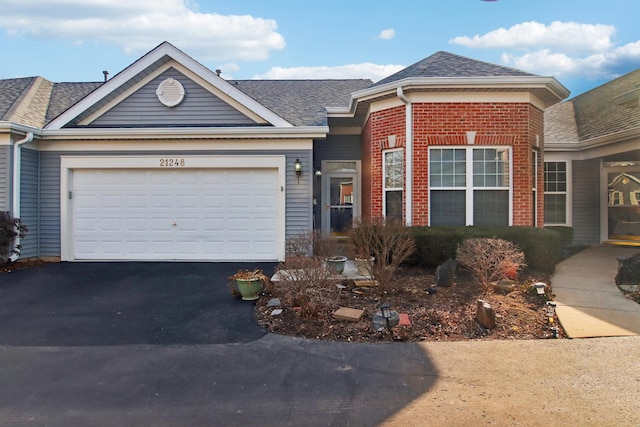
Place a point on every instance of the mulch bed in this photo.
(446, 315)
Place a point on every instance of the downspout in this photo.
(15, 209)
(408, 157)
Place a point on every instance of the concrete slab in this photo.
(590, 322)
(589, 302)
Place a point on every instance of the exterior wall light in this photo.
(297, 166)
(318, 173)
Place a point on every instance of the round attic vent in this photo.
(170, 92)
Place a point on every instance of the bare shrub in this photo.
(490, 260)
(385, 239)
(304, 265)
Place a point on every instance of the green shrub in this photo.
(542, 247)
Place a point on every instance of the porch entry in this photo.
(623, 202)
(340, 196)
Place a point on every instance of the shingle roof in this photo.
(598, 112)
(445, 64)
(65, 95)
(606, 109)
(301, 102)
(10, 92)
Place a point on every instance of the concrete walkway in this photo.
(589, 302)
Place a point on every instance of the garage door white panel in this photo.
(189, 214)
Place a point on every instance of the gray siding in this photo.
(199, 108)
(586, 202)
(298, 196)
(5, 178)
(49, 204)
(29, 202)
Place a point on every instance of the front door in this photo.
(623, 203)
(340, 196)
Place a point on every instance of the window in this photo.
(393, 183)
(555, 193)
(469, 186)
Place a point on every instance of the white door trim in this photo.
(70, 163)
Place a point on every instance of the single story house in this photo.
(167, 160)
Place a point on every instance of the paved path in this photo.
(589, 302)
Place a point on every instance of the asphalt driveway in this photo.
(85, 304)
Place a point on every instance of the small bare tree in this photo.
(385, 239)
(490, 259)
(304, 265)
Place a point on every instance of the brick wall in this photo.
(513, 124)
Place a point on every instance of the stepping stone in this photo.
(404, 319)
(349, 314)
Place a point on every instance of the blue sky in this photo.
(582, 43)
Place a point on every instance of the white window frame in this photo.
(469, 188)
(386, 189)
(566, 193)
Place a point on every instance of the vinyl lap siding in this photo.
(199, 108)
(586, 202)
(298, 197)
(29, 202)
(5, 178)
(49, 204)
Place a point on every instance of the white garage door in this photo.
(188, 214)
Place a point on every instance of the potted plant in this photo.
(248, 283)
(335, 264)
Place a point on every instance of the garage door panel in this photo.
(207, 214)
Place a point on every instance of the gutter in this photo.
(408, 157)
(15, 208)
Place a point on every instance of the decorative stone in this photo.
(274, 302)
(486, 316)
(349, 314)
(446, 273)
(276, 312)
(505, 286)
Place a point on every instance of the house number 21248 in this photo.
(171, 163)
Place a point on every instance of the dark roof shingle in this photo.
(301, 102)
(445, 64)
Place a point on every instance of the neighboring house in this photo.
(592, 163)
(169, 161)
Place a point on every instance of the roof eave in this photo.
(260, 132)
(557, 91)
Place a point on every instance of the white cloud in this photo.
(352, 71)
(139, 25)
(561, 49)
(387, 34)
(564, 36)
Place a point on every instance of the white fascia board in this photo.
(148, 60)
(258, 132)
(509, 82)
